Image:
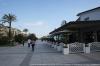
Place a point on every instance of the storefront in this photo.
(79, 31)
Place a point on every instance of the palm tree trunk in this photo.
(9, 32)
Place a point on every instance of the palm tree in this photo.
(25, 30)
(9, 18)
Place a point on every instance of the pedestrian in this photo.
(23, 42)
(32, 44)
(29, 41)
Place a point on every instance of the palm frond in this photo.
(8, 18)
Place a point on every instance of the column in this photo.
(95, 36)
(80, 37)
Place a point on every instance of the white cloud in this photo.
(40, 28)
(35, 24)
(30, 24)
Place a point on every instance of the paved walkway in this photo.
(44, 56)
(13, 56)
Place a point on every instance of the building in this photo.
(85, 29)
(15, 31)
(93, 14)
(4, 30)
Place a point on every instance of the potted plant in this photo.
(65, 46)
(59, 47)
(87, 48)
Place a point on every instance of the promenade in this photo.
(44, 56)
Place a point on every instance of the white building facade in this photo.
(89, 15)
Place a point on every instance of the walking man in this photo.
(32, 44)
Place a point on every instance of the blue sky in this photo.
(43, 16)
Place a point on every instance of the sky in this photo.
(43, 16)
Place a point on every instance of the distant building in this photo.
(15, 31)
(4, 30)
(93, 14)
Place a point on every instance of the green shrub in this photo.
(32, 37)
(4, 40)
(19, 38)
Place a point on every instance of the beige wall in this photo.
(4, 31)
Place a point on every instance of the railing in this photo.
(94, 46)
(76, 47)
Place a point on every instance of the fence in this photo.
(76, 47)
(94, 46)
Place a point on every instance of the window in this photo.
(86, 19)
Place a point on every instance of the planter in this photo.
(55, 46)
(65, 51)
(87, 48)
(59, 48)
(52, 45)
